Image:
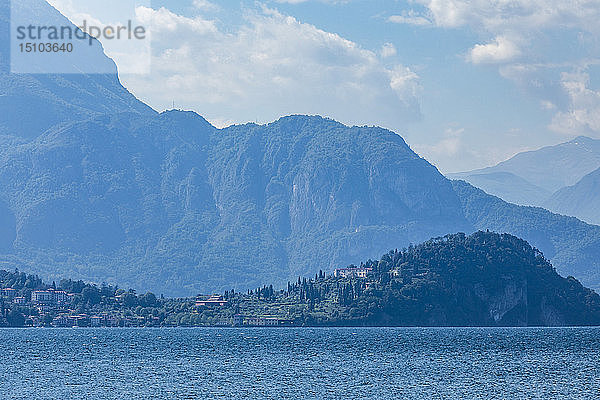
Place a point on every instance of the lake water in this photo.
(300, 363)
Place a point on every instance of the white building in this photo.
(352, 272)
(8, 293)
(49, 297)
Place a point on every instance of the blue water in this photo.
(370, 363)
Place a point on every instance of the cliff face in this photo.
(512, 297)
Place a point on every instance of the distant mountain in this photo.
(531, 177)
(509, 187)
(31, 104)
(581, 200)
(104, 189)
(572, 245)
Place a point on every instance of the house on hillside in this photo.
(8, 293)
(212, 301)
(352, 272)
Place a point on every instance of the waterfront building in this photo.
(42, 297)
(50, 297)
(8, 293)
(238, 320)
(266, 321)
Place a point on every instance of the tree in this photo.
(130, 300)
(47, 319)
(148, 300)
(15, 318)
(91, 295)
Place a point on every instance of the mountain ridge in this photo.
(537, 174)
(33, 103)
(191, 208)
(169, 203)
(580, 200)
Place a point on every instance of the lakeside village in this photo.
(27, 302)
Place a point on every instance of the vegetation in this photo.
(85, 299)
(485, 279)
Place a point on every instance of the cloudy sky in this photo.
(466, 83)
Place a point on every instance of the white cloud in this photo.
(500, 15)
(271, 66)
(583, 115)
(547, 105)
(450, 145)
(206, 5)
(532, 41)
(132, 56)
(388, 50)
(304, 1)
(410, 18)
(500, 50)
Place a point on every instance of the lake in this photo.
(300, 363)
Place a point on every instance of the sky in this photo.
(466, 83)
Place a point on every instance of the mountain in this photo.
(530, 178)
(32, 103)
(171, 204)
(485, 279)
(105, 189)
(174, 204)
(572, 245)
(581, 200)
(509, 187)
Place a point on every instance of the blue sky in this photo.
(466, 83)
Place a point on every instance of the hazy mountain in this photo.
(509, 187)
(169, 203)
(172, 200)
(531, 177)
(31, 104)
(581, 200)
(572, 245)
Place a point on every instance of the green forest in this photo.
(486, 279)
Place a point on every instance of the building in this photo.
(98, 320)
(42, 297)
(212, 301)
(44, 308)
(81, 320)
(49, 297)
(61, 296)
(267, 321)
(352, 272)
(19, 300)
(62, 321)
(8, 293)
